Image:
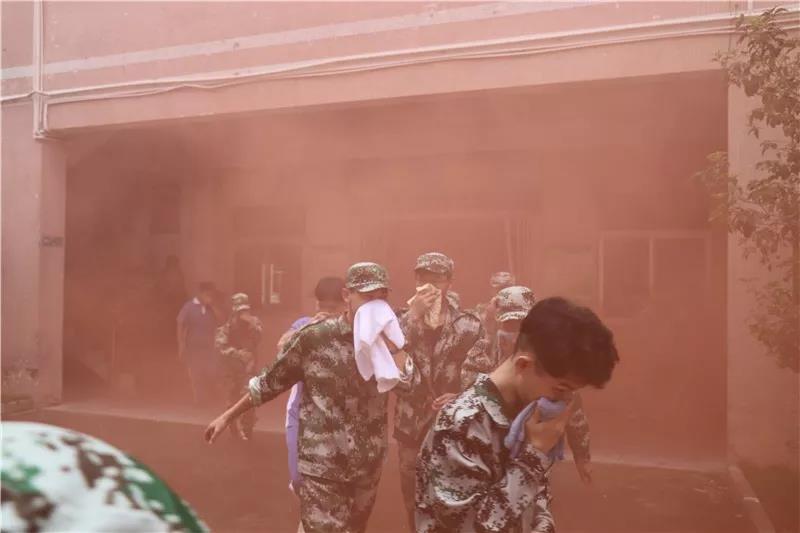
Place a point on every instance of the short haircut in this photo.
(568, 339)
(206, 286)
(329, 289)
(448, 275)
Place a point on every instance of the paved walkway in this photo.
(241, 487)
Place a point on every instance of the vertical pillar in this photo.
(762, 398)
(33, 209)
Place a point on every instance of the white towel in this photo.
(372, 355)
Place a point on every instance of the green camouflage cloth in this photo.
(486, 356)
(343, 421)
(483, 358)
(54, 479)
(498, 281)
(435, 364)
(513, 303)
(433, 368)
(328, 506)
(466, 481)
(240, 302)
(435, 262)
(480, 312)
(235, 377)
(342, 432)
(238, 340)
(366, 277)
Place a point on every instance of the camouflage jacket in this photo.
(480, 311)
(467, 481)
(237, 339)
(434, 372)
(484, 357)
(342, 433)
(56, 479)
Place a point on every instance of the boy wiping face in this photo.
(467, 478)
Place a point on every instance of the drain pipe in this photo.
(39, 103)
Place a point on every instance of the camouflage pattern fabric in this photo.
(407, 465)
(343, 424)
(486, 356)
(480, 312)
(483, 358)
(240, 302)
(366, 277)
(342, 435)
(436, 263)
(328, 506)
(235, 377)
(513, 303)
(236, 341)
(466, 480)
(498, 281)
(54, 479)
(436, 367)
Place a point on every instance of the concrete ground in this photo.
(239, 487)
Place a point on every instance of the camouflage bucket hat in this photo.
(501, 280)
(436, 263)
(240, 302)
(513, 303)
(366, 277)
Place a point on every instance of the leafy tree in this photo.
(764, 211)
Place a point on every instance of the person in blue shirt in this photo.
(198, 320)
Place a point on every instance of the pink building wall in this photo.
(114, 73)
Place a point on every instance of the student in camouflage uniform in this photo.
(467, 479)
(56, 479)
(437, 355)
(485, 311)
(343, 438)
(511, 305)
(237, 340)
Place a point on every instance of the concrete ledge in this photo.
(750, 502)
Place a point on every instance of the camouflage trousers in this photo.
(328, 506)
(407, 456)
(235, 378)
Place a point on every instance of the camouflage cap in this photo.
(240, 302)
(513, 303)
(365, 277)
(436, 263)
(501, 280)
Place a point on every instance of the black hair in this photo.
(449, 275)
(206, 286)
(329, 289)
(568, 339)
